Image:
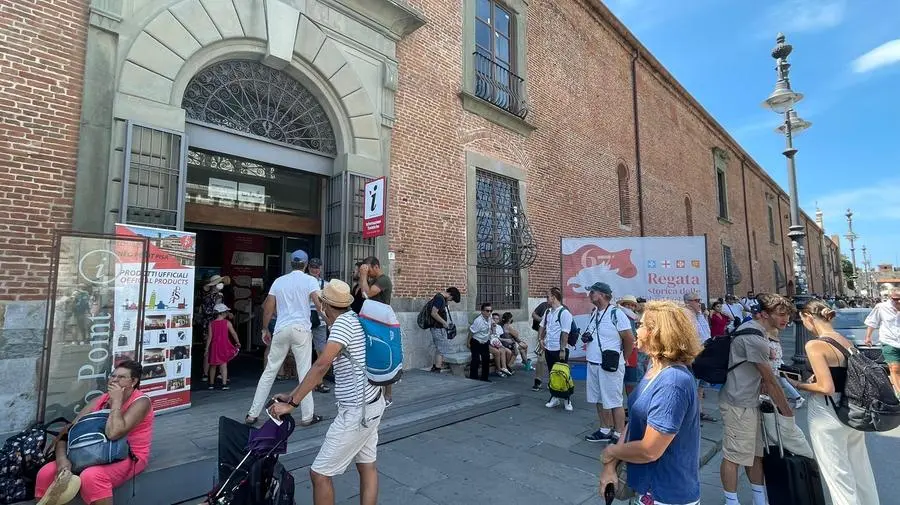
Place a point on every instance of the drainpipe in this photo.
(637, 141)
(747, 225)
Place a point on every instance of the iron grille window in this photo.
(153, 177)
(689, 215)
(344, 209)
(504, 240)
(732, 273)
(495, 81)
(624, 196)
(250, 97)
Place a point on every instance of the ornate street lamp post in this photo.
(851, 237)
(782, 101)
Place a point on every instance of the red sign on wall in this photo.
(373, 215)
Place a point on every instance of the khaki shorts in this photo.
(742, 439)
(347, 441)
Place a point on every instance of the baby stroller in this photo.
(249, 471)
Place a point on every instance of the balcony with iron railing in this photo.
(496, 84)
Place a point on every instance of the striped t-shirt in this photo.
(350, 382)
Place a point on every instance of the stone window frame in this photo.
(471, 102)
(770, 218)
(720, 170)
(474, 162)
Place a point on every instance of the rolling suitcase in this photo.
(790, 479)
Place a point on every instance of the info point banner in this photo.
(165, 350)
(648, 267)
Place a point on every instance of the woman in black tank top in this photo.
(840, 450)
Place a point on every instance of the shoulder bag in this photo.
(89, 446)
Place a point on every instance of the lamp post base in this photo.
(801, 335)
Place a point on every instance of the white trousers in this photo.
(792, 437)
(842, 456)
(291, 338)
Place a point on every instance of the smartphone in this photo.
(790, 375)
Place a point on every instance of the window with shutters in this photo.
(624, 196)
(689, 215)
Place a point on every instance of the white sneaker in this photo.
(554, 402)
(799, 403)
(568, 406)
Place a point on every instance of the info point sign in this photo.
(648, 267)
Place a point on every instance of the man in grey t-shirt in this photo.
(750, 374)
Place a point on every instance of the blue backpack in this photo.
(384, 343)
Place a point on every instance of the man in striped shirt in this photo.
(353, 436)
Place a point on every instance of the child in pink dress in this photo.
(222, 345)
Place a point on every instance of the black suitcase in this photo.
(790, 479)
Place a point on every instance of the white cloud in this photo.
(794, 16)
(882, 56)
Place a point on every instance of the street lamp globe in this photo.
(783, 98)
(798, 124)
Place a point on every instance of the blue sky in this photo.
(846, 61)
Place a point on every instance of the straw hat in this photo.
(63, 490)
(337, 294)
(628, 299)
(221, 307)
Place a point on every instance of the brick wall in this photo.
(41, 68)
(579, 86)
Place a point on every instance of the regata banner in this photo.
(649, 267)
(165, 349)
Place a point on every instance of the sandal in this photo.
(250, 421)
(315, 419)
(322, 388)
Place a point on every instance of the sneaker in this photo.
(553, 403)
(614, 438)
(799, 403)
(598, 436)
(568, 406)
(537, 386)
(435, 369)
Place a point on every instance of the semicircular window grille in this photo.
(250, 97)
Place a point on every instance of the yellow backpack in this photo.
(561, 383)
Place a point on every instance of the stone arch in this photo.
(177, 41)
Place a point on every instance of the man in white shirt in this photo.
(480, 333)
(749, 302)
(291, 297)
(885, 317)
(734, 308)
(554, 336)
(608, 331)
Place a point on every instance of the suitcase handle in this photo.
(764, 409)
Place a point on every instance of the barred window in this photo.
(505, 244)
(731, 270)
(624, 196)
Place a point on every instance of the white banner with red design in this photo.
(165, 351)
(649, 267)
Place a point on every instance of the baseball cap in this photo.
(315, 263)
(602, 287)
(692, 296)
(299, 256)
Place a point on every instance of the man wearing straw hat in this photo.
(353, 436)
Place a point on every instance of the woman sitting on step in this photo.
(130, 417)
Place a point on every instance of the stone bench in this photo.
(458, 362)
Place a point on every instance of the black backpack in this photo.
(424, 319)
(711, 365)
(574, 331)
(868, 401)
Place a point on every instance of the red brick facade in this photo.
(580, 92)
(42, 51)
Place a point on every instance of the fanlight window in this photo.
(249, 97)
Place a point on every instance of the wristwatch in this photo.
(292, 404)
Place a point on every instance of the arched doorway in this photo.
(260, 156)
